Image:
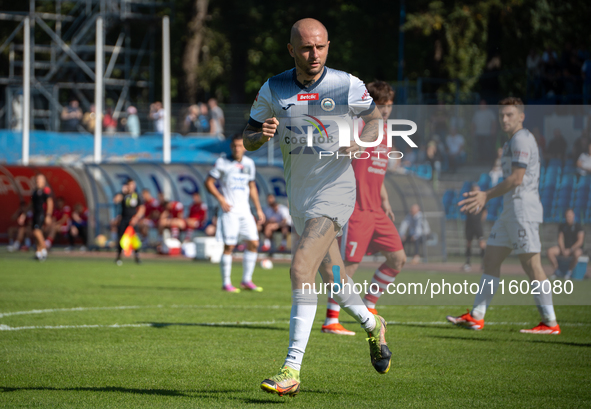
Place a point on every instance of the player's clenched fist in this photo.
(269, 128)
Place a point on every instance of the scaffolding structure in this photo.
(63, 52)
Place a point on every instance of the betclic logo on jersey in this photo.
(343, 131)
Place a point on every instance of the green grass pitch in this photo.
(181, 342)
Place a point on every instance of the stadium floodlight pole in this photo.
(98, 92)
(26, 91)
(166, 88)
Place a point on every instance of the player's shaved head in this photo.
(306, 26)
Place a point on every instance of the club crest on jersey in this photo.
(327, 104)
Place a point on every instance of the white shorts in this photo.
(233, 227)
(522, 237)
(339, 214)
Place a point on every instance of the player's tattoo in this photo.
(327, 260)
(371, 128)
(253, 138)
(309, 83)
(315, 228)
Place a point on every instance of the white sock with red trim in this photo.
(332, 312)
(383, 276)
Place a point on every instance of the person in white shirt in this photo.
(455, 148)
(236, 177)
(157, 115)
(584, 162)
(321, 189)
(484, 128)
(517, 228)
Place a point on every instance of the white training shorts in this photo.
(233, 227)
(339, 214)
(521, 237)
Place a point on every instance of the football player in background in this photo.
(42, 204)
(236, 177)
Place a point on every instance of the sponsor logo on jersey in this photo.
(365, 95)
(308, 97)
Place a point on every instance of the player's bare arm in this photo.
(386, 202)
(476, 200)
(141, 210)
(210, 186)
(369, 133)
(254, 196)
(254, 138)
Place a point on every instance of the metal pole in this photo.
(26, 91)
(401, 41)
(98, 92)
(166, 88)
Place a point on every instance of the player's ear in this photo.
(290, 49)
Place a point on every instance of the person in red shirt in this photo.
(62, 220)
(172, 218)
(197, 216)
(371, 226)
(153, 211)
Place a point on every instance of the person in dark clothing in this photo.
(132, 211)
(42, 204)
(557, 146)
(474, 231)
(571, 238)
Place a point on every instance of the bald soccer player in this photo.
(321, 188)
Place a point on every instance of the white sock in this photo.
(544, 303)
(484, 296)
(267, 243)
(303, 311)
(354, 306)
(332, 312)
(44, 252)
(226, 269)
(38, 254)
(16, 244)
(249, 260)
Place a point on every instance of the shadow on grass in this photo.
(228, 325)
(146, 287)
(462, 338)
(572, 344)
(161, 392)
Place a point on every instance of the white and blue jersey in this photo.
(234, 178)
(316, 186)
(522, 203)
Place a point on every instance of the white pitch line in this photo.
(155, 325)
(137, 307)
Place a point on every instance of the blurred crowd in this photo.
(563, 72)
(198, 119)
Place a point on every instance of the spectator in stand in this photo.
(455, 148)
(497, 170)
(203, 119)
(571, 237)
(89, 119)
(79, 226)
(434, 158)
(276, 219)
(218, 120)
(190, 123)
(584, 162)
(533, 63)
(541, 141)
(439, 120)
(109, 123)
(557, 146)
(132, 124)
(197, 217)
(414, 229)
(157, 116)
(71, 116)
(20, 228)
(484, 130)
(586, 73)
